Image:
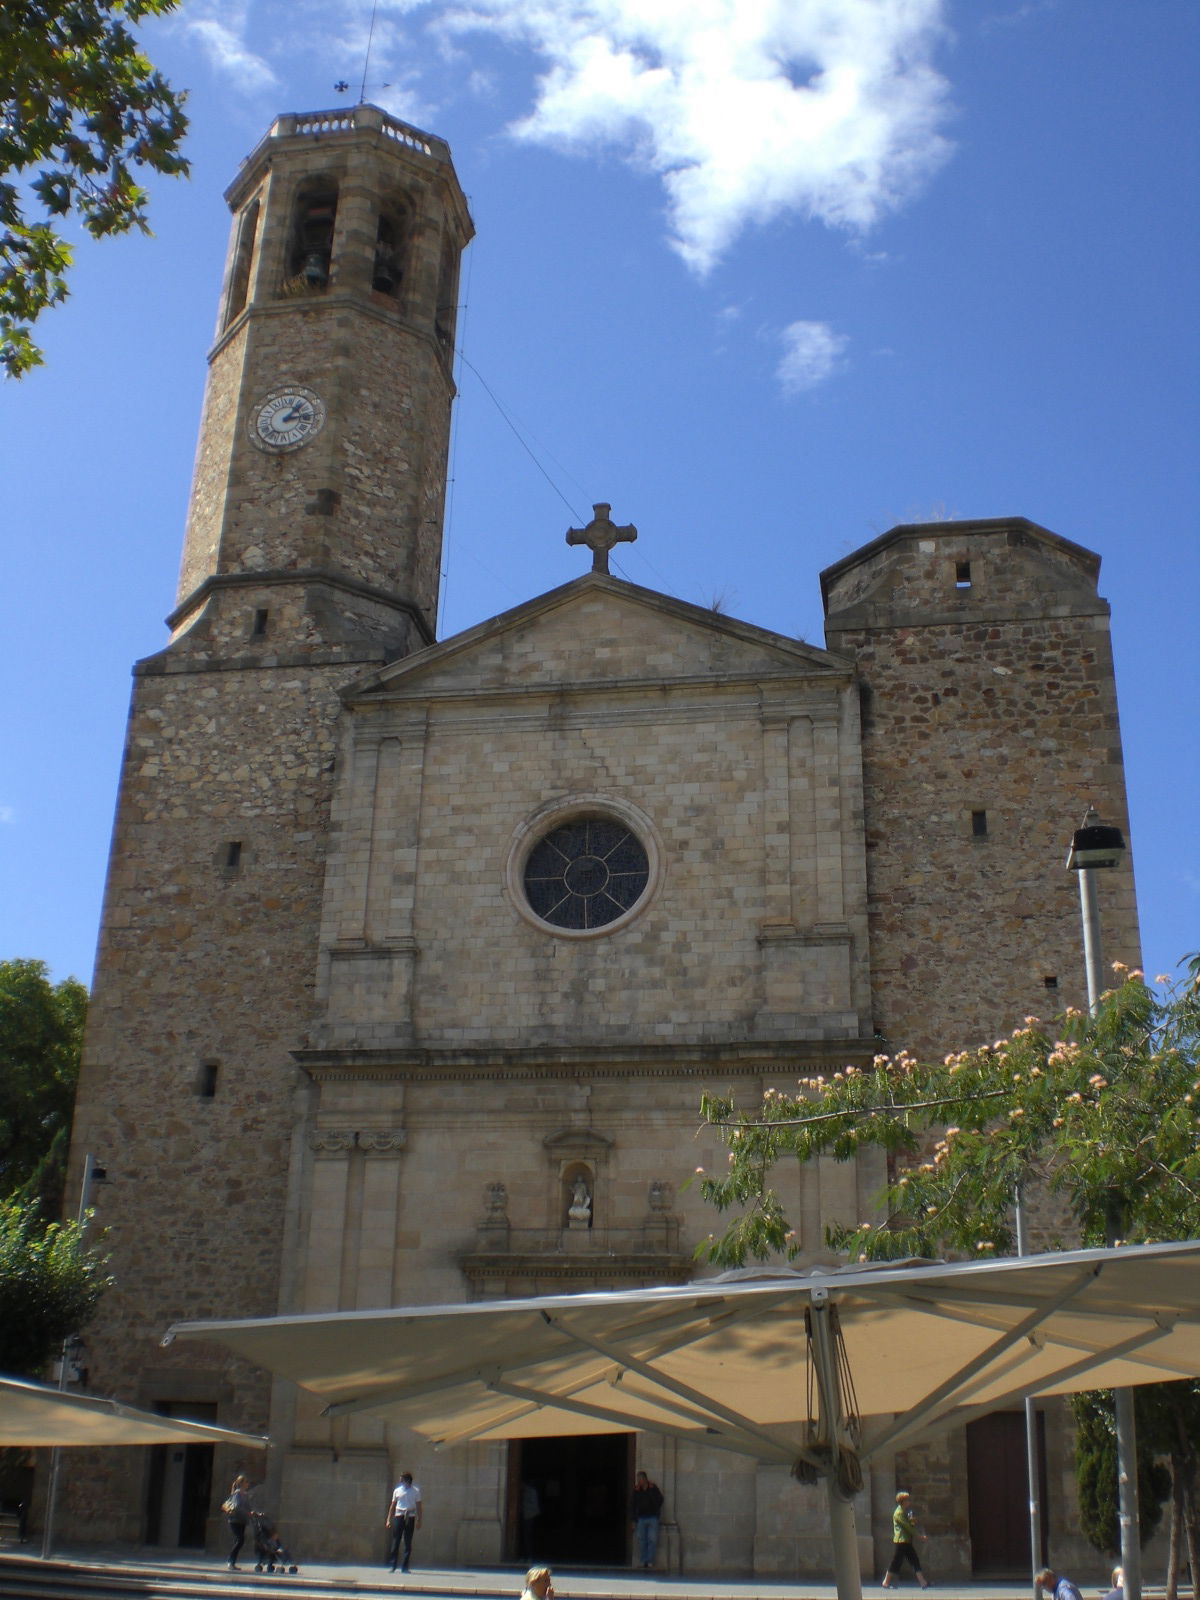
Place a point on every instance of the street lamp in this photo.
(92, 1173)
(1094, 846)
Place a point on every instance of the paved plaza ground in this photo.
(105, 1568)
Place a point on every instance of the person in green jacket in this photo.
(904, 1536)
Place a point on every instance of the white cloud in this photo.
(749, 109)
(810, 355)
(223, 41)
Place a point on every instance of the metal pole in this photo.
(1032, 1462)
(1127, 1476)
(843, 1531)
(842, 1528)
(1093, 957)
(63, 1369)
(1127, 1486)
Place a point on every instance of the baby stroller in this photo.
(269, 1554)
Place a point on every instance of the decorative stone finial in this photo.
(600, 535)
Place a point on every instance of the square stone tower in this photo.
(989, 724)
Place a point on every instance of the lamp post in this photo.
(1094, 846)
(1032, 1454)
(92, 1173)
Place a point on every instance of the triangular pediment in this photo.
(597, 631)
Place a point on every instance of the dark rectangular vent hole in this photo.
(962, 575)
(233, 855)
(206, 1084)
(260, 623)
(1050, 981)
(979, 824)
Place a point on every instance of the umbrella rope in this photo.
(846, 1468)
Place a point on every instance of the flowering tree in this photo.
(1101, 1111)
(1104, 1111)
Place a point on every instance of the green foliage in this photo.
(50, 1285)
(1104, 1111)
(41, 1035)
(1096, 1466)
(83, 106)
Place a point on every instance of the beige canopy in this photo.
(33, 1415)
(818, 1369)
(722, 1361)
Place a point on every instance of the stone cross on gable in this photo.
(600, 535)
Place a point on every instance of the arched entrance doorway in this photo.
(568, 1500)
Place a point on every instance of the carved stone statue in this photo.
(579, 1213)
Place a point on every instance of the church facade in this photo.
(416, 956)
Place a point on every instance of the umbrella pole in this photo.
(844, 1532)
(842, 1528)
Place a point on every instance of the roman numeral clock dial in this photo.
(287, 419)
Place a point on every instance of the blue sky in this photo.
(769, 277)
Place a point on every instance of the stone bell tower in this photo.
(321, 472)
(312, 553)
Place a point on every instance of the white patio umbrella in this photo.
(34, 1415)
(820, 1370)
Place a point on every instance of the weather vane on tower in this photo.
(342, 85)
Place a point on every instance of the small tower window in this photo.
(243, 259)
(979, 825)
(447, 300)
(259, 630)
(962, 574)
(387, 270)
(206, 1079)
(233, 855)
(311, 255)
(1050, 980)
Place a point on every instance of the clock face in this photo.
(287, 418)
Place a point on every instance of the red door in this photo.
(998, 1494)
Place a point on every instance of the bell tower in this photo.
(316, 509)
(311, 555)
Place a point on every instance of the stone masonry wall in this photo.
(741, 776)
(358, 498)
(202, 966)
(998, 700)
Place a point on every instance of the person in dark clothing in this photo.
(645, 1510)
(237, 1512)
(1053, 1583)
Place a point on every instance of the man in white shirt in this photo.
(402, 1521)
